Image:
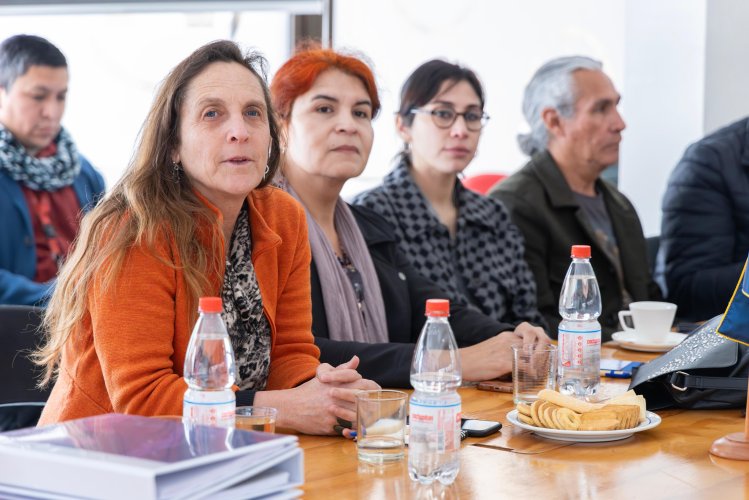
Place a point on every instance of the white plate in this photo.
(629, 340)
(651, 420)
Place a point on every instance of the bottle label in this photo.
(439, 426)
(577, 346)
(209, 407)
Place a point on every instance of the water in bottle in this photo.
(210, 369)
(580, 332)
(435, 409)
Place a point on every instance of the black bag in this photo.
(705, 371)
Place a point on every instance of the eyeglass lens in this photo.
(445, 117)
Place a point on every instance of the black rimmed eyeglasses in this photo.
(475, 119)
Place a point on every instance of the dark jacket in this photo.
(404, 292)
(481, 265)
(705, 225)
(17, 246)
(544, 208)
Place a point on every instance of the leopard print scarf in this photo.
(248, 327)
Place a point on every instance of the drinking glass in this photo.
(381, 425)
(534, 367)
(255, 418)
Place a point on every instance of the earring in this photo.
(267, 169)
(176, 171)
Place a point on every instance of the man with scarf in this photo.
(44, 183)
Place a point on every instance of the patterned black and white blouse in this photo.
(248, 327)
(483, 266)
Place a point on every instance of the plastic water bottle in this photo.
(210, 369)
(435, 410)
(579, 332)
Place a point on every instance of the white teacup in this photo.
(651, 320)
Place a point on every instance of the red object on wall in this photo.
(482, 183)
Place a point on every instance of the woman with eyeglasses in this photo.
(464, 242)
(366, 298)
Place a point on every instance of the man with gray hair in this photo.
(558, 198)
(44, 182)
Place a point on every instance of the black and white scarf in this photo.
(248, 327)
(40, 174)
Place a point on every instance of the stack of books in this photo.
(128, 456)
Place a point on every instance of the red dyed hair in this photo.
(299, 73)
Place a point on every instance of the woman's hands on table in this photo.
(318, 405)
(492, 358)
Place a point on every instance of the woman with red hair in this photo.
(366, 298)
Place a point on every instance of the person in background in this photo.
(705, 225)
(367, 299)
(464, 242)
(44, 182)
(558, 198)
(193, 216)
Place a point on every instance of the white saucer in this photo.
(630, 340)
(651, 420)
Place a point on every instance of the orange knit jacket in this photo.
(128, 353)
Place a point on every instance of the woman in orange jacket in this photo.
(192, 216)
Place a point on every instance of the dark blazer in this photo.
(544, 208)
(705, 226)
(404, 292)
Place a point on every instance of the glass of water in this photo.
(255, 418)
(534, 367)
(381, 425)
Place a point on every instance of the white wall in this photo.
(726, 68)
(684, 77)
(663, 90)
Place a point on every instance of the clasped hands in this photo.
(326, 404)
(344, 382)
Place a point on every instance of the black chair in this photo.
(19, 415)
(21, 401)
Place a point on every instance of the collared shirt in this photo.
(482, 266)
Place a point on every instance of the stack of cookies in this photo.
(557, 411)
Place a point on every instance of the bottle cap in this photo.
(581, 251)
(438, 307)
(210, 304)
